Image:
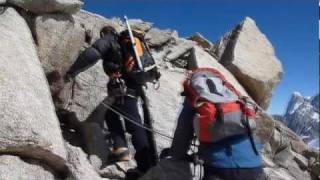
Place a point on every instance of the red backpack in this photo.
(222, 111)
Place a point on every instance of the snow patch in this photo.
(297, 94)
(315, 116)
(314, 144)
(295, 107)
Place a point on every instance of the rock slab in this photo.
(201, 59)
(201, 41)
(13, 167)
(156, 37)
(48, 6)
(29, 125)
(59, 39)
(79, 165)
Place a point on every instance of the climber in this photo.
(125, 86)
(221, 118)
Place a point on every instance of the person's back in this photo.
(226, 157)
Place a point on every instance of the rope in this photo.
(135, 123)
(126, 116)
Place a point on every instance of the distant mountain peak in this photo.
(302, 116)
(297, 94)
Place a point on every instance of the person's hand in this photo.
(68, 77)
(158, 74)
(115, 75)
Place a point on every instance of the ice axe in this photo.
(133, 44)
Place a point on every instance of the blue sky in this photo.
(290, 25)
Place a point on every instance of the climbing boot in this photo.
(120, 154)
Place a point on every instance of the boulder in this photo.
(157, 38)
(277, 174)
(266, 162)
(277, 140)
(296, 172)
(166, 169)
(311, 153)
(300, 160)
(140, 25)
(59, 41)
(314, 169)
(249, 55)
(180, 48)
(13, 167)
(220, 46)
(49, 6)
(274, 132)
(80, 168)
(29, 125)
(201, 41)
(297, 145)
(284, 157)
(265, 129)
(60, 38)
(266, 150)
(200, 58)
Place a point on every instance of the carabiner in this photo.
(156, 85)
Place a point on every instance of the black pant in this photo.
(128, 106)
(233, 174)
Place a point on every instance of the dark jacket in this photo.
(110, 51)
(235, 152)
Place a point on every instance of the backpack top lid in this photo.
(210, 85)
(135, 32)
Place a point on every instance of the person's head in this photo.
(136, 33)
(108, 30)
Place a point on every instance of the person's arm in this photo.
(88, 57)
(183, 133)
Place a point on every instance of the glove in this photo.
(116, 87)
(157, 74)
(110, 67)
(68, 77)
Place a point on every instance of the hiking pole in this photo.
(147, 117)
(134, 44)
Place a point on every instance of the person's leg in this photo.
(211, 174)
(211, 177)
(139, 135)
(233, 173)
(115, 128)
(251, 174)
